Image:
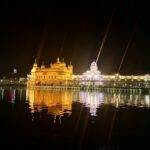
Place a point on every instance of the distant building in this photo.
(22, 79)
(60, 74)
(90, 77)
(57, 74)
(93, 73)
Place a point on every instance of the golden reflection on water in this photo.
(60, 102)
(57, 102)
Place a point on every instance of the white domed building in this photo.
(92, 75)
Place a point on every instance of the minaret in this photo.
(51, 64)
(58, 60)
(63, 63)
(33, 72)
(35, 63)
(35, 66)
(70, 67)
(42, 66)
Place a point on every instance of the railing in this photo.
(10, 82)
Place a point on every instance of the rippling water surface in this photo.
(73, 120)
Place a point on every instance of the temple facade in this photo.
(90, 77)
(93, 73)
(57, 74)
(61, 74)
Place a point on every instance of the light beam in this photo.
(105, 35)
(129, 42)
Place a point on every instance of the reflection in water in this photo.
(20, 93)
(12, 95)
(42, 116)
(2, 93)
(57, 102)
(119, 100)
(60, 102)
(92, 100)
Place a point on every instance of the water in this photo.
(44, 119)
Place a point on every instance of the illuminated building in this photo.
(93, 73)
(94, 77)
(57, 74)
(90, 77)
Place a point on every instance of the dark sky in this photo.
(74, 30)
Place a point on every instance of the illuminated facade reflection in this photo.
(2, 93)
(124, 100)
(91, 100)
(57, 102)
(12, 95)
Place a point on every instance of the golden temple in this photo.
(57, 74)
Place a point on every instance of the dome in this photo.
(93, 73)
(93, 63)
(93, 66)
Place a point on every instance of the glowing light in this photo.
(107, 29)
(92, 74)
(92, 100)
(14, 71)
(147, 100)
(57, 102)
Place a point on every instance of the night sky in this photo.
(74, 30)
